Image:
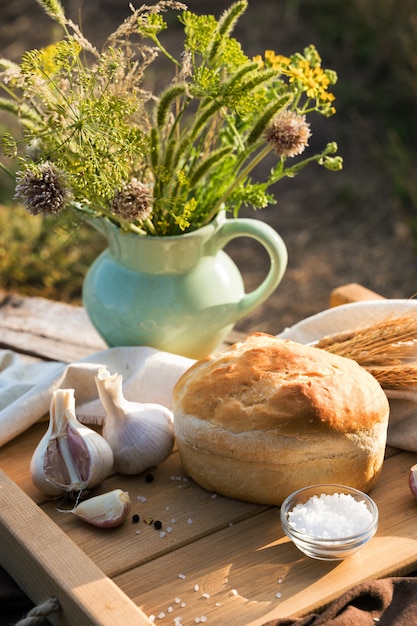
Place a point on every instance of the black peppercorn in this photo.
(157, 524)
(135, 518)
(149, 478)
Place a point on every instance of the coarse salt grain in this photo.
(330, 516)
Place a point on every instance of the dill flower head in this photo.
(42, 189)
(288, 133)
(133, 202)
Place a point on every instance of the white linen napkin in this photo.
(26, 387)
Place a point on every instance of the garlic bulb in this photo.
(140, 435)
(70, 456)
(106, 510)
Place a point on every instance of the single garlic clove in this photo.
(412, 479)
(106, 510)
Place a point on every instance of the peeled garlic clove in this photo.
(141, 435)
(106, 510)
(70, 456)
(412, 479)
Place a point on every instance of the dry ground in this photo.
(338, 227)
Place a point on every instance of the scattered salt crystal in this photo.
(279, 581)
(234, 592)
(141, 498)
(151, 618)
(330, 516)
(167, 508)
(181, 576)
(203, 618)
(196, 587)
(278, 595)
(169, 529)
(217, 604)
(177, 600)
(138, 532)
(206, 595)
(189, 520)
(162, 534)
(161, 615)
(182, 605)
(214, 496)
(173, 520)
(170, 609)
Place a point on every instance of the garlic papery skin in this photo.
(106, 510)
(70, 456)
(141, 435)
(412, 480)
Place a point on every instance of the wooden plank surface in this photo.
(352, 292)
(223, 545)
(50, 330)
(239, 568)
(244, 566)
(46, 563)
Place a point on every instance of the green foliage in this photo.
(39, 259)
(91, 122)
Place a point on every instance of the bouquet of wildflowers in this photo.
(97, 141)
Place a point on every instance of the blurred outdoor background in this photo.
(359, 225)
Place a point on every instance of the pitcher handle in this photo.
(273, 244)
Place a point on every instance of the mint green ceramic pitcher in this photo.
(178, 294)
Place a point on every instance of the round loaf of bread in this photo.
(268, 416)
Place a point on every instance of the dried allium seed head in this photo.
(42, 189)
(288, 134)
(133, 202)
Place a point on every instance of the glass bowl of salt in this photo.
(329, 522)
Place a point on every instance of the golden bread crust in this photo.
(268, 416)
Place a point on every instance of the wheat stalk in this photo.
(400, 376)
(387, 349)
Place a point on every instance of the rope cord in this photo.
(39, 613)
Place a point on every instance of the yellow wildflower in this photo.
(47, 59)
